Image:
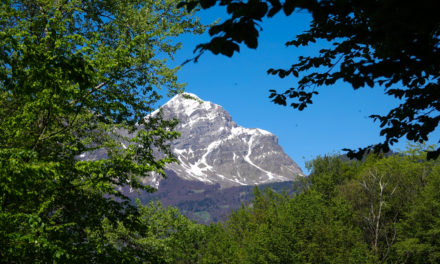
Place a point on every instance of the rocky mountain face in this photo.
(220, 162)
(213, 149)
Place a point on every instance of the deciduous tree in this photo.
(72, 74)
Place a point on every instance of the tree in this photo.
(381, 191)
(163, 236)
(388, 43)
(420, 229)
(73, 74)
(328, 172)
(277, 228)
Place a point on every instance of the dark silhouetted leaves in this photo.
(220, 45)
(391, 44)
(207, 3)
(288, 7)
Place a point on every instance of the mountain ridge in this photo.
(214, 149)
(220, 162)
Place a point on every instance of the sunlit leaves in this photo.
(304, 228)
(77, 79)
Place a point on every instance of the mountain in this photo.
(213, 149)
(219, 165)
(202, 202)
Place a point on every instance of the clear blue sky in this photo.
(337, 119)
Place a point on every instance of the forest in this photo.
(384, 209)
(75, 72)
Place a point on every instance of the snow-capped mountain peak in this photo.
(214, 149)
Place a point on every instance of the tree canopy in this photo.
(390, 44)
(73, 74)
(378, 210)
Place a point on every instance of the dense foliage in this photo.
(162, 236)
(391, 44)
(72, 75)
(380, 210)
(281, 229)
